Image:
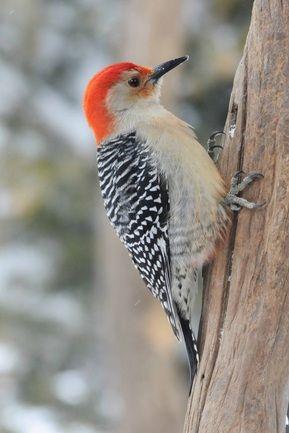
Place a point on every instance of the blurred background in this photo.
(83, 347)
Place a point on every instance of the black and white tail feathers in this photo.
(191, 348)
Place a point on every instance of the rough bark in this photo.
(242, 384)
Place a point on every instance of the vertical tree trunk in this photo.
(242, 384)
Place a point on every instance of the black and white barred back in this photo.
(137, 204)
(136, 200)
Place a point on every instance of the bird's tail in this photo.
(191, 348)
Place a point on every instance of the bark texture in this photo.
(242, 384)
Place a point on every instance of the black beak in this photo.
(165, 67)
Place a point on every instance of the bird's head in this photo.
(119, 88)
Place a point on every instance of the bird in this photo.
(162, 192)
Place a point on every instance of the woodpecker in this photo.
(162, 192)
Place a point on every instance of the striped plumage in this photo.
(136, 200)
(161, 241)
(162, 192)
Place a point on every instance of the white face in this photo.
(133, 90)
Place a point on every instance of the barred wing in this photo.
(136, 200)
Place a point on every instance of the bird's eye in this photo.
(134, 82)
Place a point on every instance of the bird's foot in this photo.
(211, 145)
(238, 185)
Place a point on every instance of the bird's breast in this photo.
(196, 190)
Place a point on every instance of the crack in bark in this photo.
(232, 240)
(276, 412)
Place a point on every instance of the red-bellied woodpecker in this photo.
(162, 192)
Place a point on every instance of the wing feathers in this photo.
(136, 199)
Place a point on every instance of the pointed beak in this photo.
(165, 67)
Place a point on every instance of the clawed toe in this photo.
(232, 200)
(211, 145)
(236, 203)
(238, 185)
(234, 207)
(252, 176)
(235, 181)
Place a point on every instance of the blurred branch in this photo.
(242, 384)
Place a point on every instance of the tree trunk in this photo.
(242, 383)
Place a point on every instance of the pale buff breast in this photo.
(196, 188)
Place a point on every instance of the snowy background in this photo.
(53, 342)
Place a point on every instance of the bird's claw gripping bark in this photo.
(211, 145)
(238, 184)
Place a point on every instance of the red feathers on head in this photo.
(96, 91)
